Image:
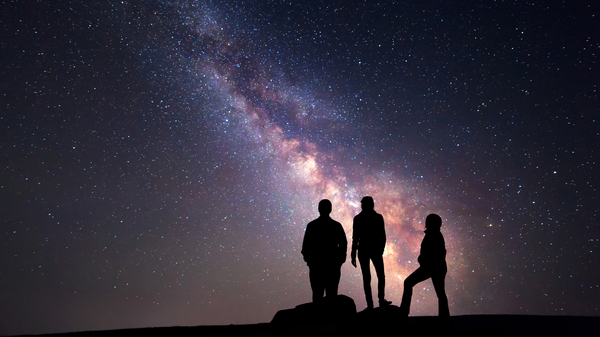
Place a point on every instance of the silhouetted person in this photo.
(432, 263)
(368, 237)
(324, 250)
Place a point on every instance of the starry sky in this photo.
(160, 159)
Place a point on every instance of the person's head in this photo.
(324, 207)
(367, 203)
(433, 221)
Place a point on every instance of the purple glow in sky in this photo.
(160, 160)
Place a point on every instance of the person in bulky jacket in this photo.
(432, 263)
(324, 250)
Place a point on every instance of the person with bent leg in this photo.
(432, 263)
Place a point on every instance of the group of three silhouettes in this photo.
(325, 245)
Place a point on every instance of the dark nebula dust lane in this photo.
(160, 160)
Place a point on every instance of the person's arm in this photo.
(343, 244)
(383, 238)
(307, 245)
(442, 247)
(355, 241)
(423, 254)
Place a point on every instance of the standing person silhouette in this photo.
(432, 263)
(368, 237)
(324, 250)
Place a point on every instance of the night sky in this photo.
(160, 159)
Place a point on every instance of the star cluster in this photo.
(161, 159)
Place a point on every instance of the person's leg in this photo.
(365, 267)
(334, 274)
(438, 285)
(417, 276)
(316, 283)
(379, 270)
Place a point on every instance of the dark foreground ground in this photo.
(473, 325)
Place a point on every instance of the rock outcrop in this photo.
(330, 310)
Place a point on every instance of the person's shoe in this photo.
(384, 303)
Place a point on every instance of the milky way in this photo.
(160, 160)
